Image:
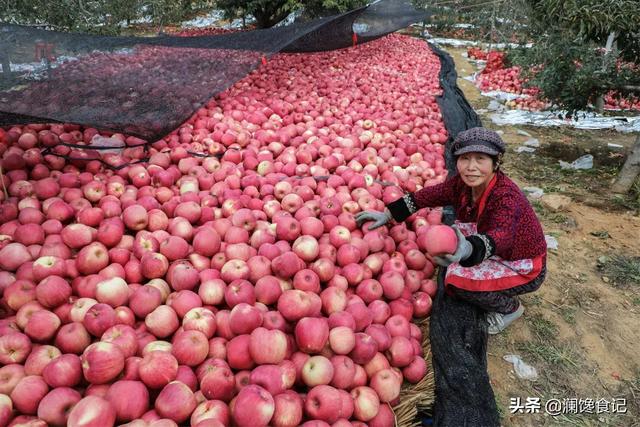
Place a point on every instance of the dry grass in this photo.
(417, 396)
(620, 269)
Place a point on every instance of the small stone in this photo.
(555, 202)
(605, 279)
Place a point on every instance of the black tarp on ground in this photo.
(458, 330)
(148, 86)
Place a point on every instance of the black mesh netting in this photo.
(458, 330)
(148, 86)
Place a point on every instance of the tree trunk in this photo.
(607, 49)
(630, 170)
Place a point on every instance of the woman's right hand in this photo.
(379, 218)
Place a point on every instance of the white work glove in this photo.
(379, 218)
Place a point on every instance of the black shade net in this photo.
(148, 86)
(458, 329)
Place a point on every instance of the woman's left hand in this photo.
(463, 251)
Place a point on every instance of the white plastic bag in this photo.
(523, 149)
(552, 242)
(583, 162)
(522, 370)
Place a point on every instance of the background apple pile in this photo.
(235, 290)
(496, 76)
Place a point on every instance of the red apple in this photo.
(400, 352)
(387, 384)
(254, 407)
(135, 217)
(384, 418)
(53, 291)
(14, 348)
(102, 362)
(124, 336)
(415, 371)
(176, 402)
(63, 371)
(48, 266)
(342, 340)
(72, 338)
(323, 403)
(209, 412)
(42, 325)
(55, 407)
(99, 318)
(344, 371)
(366, 403)
(92, 411)
(364, 350)
(267, 346)
(190, 347)
(10, 375)
(271, 377)
(238, 354)
(212, 291)
(162, 321)
(288, 410)
(157, 369)
(200, 319)
(113, 291)
(144, 300)
(244, 318)
(317, 370)
(312, 333)
(130, 399)
(218, 383)
(92, 258)
(28, 393)
(39, 358)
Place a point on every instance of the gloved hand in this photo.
(463, 251)
(379, 218)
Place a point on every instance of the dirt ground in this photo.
(581, 329)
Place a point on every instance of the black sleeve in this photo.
(483, 248)
(402, 208)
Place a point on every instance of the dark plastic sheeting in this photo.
(458, 330)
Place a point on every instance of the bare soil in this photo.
(581, 330)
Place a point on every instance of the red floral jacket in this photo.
(508, 220)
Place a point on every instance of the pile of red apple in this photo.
(477, 53)
(612, 101)
(496, 77)
(509, 80)
(236, 290)
(495, 61)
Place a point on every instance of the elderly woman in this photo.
(501, 249)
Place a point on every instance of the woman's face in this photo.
(475, 169)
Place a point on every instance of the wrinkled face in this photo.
(475, 169)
